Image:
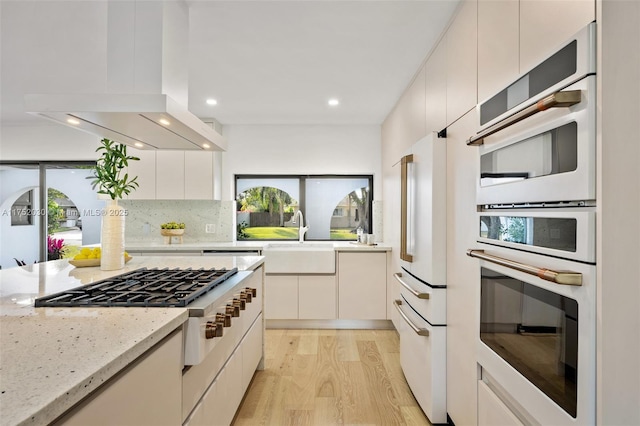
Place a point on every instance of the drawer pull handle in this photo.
(416, 293)
(419, 331)
(558, 277)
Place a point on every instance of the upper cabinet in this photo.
(411, 109)
(498, 45)
(462, 61)
(405, 124)
(175, 175)
(145, 170)
(170, 175)
(546, 24)
(436, 88)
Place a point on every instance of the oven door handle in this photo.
(419, 331)
(416, 293)
(558, 277)
(555, 100)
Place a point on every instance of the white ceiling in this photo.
(266, 62)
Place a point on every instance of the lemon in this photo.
(86, 251)
(80, 257)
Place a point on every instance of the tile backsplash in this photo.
(145, 217)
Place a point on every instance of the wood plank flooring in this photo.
(330, 377)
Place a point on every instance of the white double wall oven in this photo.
(536, 198)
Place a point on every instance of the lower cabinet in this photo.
(300, 297)
(362, 283)
(223, 397)
(146, 393)
(357, 292)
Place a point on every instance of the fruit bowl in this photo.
(83, 263)
(171, 232)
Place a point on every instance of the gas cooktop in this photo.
(141, 288)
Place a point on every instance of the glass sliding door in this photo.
(20, 214)
(34, 223)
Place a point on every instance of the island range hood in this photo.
(145, 104)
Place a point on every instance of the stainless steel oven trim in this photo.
(585, 232)
(578, 185)
(585, 65)
(532, 399)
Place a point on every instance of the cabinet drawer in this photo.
(491, 410)
(429, 302)
(423, 360)
(251, 352)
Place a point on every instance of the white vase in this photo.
(112, 240)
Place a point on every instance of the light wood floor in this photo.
(330, 377)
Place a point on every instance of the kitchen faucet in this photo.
(301, 228)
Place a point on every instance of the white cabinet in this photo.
(170, 175)
(462, 64)
(436, 88)
(463, 274)
(491, 410)
(176, 175)
(145, 170)
(281, 297)
(198, 175)
(300, 297)
(362, 285)
(498, 45)
(544, 25)
(317, 297)
(154, 380)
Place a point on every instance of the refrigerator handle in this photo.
(404, 200)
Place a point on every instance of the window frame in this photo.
(302, 184)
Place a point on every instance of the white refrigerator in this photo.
(420, 316)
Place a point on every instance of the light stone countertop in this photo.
(246, 245)
(51, 358)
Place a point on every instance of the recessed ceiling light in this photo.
(164, 121)
(206, 145)
(73, 121)
(139, 145)
(212, 102)
(333, 102)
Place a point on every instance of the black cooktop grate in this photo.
(141, 288)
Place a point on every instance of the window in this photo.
(21, 210)
(333, 207)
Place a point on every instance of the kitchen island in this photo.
(52, 358)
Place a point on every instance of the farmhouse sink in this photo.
(299, 258)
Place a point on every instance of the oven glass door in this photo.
(564, 233)
(551, 152)
(535, 331)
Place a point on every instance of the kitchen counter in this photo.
(242, 246)
(51, 358)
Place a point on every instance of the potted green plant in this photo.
(111, 178)
(108, 173)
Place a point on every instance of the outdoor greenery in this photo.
(54, 211)
(107, 174)
(266, 199)
(281, 233)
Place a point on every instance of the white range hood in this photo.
(145, 121)
(146, 91)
